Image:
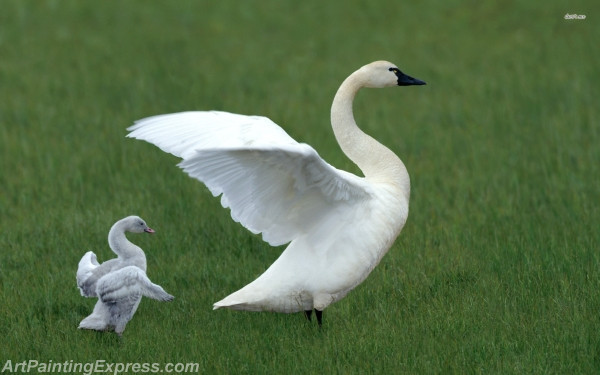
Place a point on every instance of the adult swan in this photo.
(338, 225)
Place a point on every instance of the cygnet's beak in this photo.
(149, 230)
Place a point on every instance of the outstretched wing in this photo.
(272, 184)
(129, 283)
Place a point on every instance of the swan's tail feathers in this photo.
(237, 304)
(232, 306)
(87, 265)
(252, 297)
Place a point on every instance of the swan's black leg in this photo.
(308, 315)
(319, 317)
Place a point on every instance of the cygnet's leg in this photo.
(120, 328)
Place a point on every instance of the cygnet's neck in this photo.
(377, 162)
(126, 250)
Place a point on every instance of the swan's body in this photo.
(118, 283)
(338, 225)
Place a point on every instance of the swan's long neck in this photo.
(377, 162)
(119, 243)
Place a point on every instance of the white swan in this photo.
(339, 225)
(118, 283)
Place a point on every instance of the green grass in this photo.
(496, 271)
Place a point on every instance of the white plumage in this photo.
(118, 283)
(338, 225)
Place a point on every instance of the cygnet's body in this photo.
(118, 283)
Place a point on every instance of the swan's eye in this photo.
(395, 70)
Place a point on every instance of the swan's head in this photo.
(385, 74)
(136, 224)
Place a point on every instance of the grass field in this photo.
(496, 271)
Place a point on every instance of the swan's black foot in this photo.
(319, 315)
(308, 315)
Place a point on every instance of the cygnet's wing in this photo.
(272, 184)
(129, 283)
(87, 265)
(92, 272)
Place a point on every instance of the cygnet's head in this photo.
(385, 74)
(136, 224)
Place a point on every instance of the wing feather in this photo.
(85, 269)
(129, 283)
(272, 184)
(182, 134)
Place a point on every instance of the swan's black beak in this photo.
(404, 80)
(149, 230)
